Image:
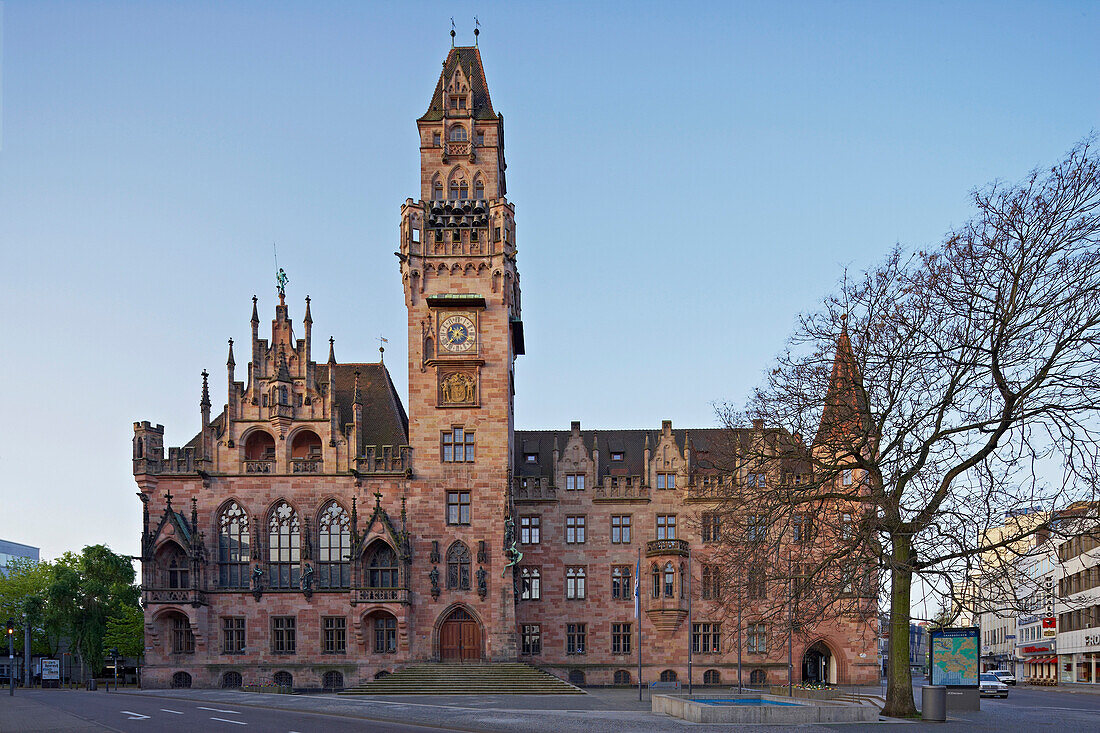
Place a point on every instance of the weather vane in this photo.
(452, 31)
(477, 29)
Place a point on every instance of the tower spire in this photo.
(204, 404)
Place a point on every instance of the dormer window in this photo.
(531, 457)
(616, 456)
(458, 101)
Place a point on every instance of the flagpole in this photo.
(739, 688)
(638, 615)
(689, 628)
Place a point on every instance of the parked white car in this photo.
(1004, 676)
(990, 686)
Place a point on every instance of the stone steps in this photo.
(484, 678)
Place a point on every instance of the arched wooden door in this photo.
(459, 637)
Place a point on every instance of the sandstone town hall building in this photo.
(319, 532)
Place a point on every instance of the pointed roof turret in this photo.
(331, 352)
(255, 313)
(358, 397)
(284, 370)
(205, 403)
(845, 411)
(231, 362)
(309, 318)
(466, 60)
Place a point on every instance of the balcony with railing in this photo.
(384, 460)
(260, 466)
(379, 595)
(173, 595)
(622, 488)
(306, 465)
(654, 548)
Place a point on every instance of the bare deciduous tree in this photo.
(940, 393)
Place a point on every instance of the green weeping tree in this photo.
(969, 387)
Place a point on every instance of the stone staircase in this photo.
(483, 678)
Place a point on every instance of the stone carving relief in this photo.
(457, 388)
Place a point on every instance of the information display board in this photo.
(954, 657)
(51, 669)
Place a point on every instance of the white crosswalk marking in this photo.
(235, 722)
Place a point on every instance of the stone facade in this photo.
(312, 535)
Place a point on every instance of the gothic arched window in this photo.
(457, 134)
(382, 567)
(233, 542)
(333, 563)
(284, 542)
(479, 189)
(458, 567)
(670, 580)
(656, 581)
(176, 567)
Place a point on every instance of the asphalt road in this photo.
(120, 712)
(603, 711)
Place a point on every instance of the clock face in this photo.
(457, 334)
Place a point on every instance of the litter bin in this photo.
(933, 703)
(91, 685)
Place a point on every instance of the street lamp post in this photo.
(11, 657)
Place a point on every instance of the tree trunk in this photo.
(899, 680)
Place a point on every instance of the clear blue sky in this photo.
(687, 179)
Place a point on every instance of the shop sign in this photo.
(1048, 633)
(1092, 640)
(1038, 649)
(1025, 620)
(1050, 622)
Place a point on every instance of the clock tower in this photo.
(458, 267)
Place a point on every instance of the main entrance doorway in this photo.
(815, 663)
(459, 637)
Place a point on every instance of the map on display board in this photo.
(954, 657)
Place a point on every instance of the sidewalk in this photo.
(20, 714)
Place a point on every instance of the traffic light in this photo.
(11, 626)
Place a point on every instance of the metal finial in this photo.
(477, 29)
(452, 32)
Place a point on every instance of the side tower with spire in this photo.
(458, 267)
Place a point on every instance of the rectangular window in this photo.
(457, 446)
(480, 138)
(620, 529)
(666, 481)
(385, 634)
(846, 477)
(532, 639)
(756, 581)
(757, 481)
(233, 635)
(757, 639)
(574, 582)
(458, 507)
(574, 530)
(574, 482)
(576, 638)
(620, 638)
(531, 457)
(756, 528)
(712, 582)
(529, 530)
(530, 584)
(712, 527)
(846, 526)
(666, 526)
(616, 456)
(183, 638)
(706, 638)
(414, 233)
(800, 528)
(335, 639)
(283, 630)
(436, 141)
(622, 589)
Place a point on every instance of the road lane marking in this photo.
(226, 720)
(217, 710)
(174, 712)
(134, 716)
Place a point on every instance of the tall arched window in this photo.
(458, 567)
(670, 579)
(437, 190)
(233, 542)
(457, 134)
(459, 188)
(306, 446)
(183, 639)
(260, 446)
(479, 189)
(382, 567)
(176, 566)
(656, 581)
(333, 557)
(284, 546)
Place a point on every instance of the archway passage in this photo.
(460, 637)
(815, 663)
